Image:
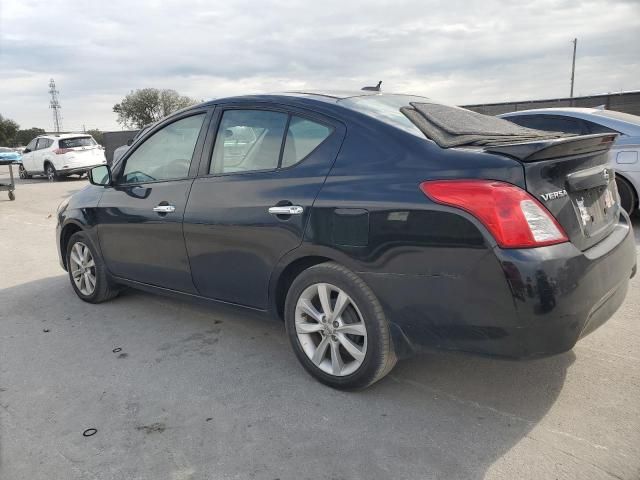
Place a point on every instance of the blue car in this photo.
(9, 154)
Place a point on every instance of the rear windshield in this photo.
(77, 142)
(447, 126)
(385, 108)
(5, 150)
(456, 127)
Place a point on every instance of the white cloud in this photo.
(459, 52)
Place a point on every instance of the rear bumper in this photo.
(513, 303)
(73, 170)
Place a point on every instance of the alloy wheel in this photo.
(22, 172)
(51, 173)
(331, 329)
(83, 268)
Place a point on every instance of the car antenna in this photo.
(377, 88)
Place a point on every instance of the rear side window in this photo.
(252, 140)
(303, 137)
(596, 128)
(548, 123)
(77, 142)
(248, 140)
(43, 143)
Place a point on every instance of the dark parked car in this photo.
(374, 225)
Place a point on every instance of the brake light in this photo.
(61, 151)
(512, 216)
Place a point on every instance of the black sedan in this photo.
(374, 225)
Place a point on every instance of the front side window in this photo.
(248, 140)
(32, 145)
(166, 155)
(303, 136)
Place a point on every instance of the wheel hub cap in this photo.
(331, 329)
(83, 268)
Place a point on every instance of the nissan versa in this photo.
(374, 225)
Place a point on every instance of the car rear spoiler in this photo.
(536, 150)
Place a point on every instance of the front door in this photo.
(28, 159)
(251, 202)
(140, 217)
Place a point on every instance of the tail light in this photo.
(512, 216)
(61, 151)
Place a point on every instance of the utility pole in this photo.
(55, 106)
(573, 65)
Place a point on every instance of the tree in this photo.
(96, 134)
(149, 105)
(23, 137)
(8, 130)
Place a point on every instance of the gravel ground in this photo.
(198, 393)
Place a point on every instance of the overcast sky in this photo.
(457, 52)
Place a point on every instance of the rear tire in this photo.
(50, 172)
(87, 271)
(349, 350)
(628, 197)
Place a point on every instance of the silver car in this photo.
(625, 154)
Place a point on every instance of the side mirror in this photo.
(26, 150)
(100, 175)
(129, 142)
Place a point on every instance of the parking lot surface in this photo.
(182, 391)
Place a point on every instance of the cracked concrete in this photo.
(198, 393)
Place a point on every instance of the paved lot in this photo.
(197, 393)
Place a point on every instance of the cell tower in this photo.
(55, 106)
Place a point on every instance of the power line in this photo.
(55, 106)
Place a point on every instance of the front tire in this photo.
(51, 173)
(22, 172)
(87, 271)
(628, 197)
(337, 328)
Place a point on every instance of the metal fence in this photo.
(628, 102)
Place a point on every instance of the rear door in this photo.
(38, 154)
(259, 177)
(140, 218)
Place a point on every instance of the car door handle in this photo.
(286, 210)
(164, 209)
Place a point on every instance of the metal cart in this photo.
(11, 186)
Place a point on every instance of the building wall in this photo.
(112, 140)
(628, 102)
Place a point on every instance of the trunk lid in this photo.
(571, 177)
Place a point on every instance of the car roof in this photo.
(303, 97)
(595, 115)
(62, 136)
(565, 110)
